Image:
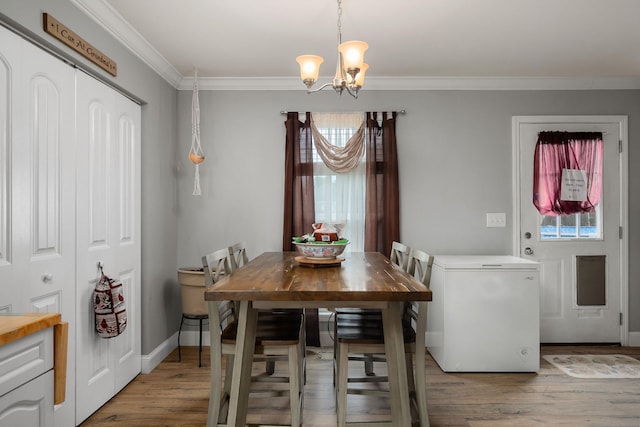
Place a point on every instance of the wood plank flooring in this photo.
(176, 394)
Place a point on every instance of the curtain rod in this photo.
(399, 112)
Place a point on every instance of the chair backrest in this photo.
(399, 255)
(215, 265)
(238, 255)
(420, 265)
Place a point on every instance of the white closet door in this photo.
(128, 245)
(37, 190)
(108, 232)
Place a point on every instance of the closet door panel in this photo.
(50, 147)
(95, 369)
(39, 190)
(98, 171)
(46, 182)
(128, 236)
(108, 214)
(6, 270)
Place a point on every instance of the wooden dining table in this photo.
(278, 280)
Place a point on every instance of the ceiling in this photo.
(409, 40)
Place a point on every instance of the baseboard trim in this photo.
(187, 338)
(634, 339)
(153, 359)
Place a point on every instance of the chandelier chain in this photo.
(339, 21)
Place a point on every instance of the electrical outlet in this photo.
(496, 219)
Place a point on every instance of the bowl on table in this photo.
(320, 250)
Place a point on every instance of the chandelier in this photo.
(350, 69)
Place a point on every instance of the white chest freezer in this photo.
(484, 316)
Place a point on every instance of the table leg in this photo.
(245, 344)
(396, 364)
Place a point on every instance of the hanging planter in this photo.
(196, 153)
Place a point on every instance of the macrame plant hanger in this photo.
(196, 154)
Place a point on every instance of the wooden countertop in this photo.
(16, 326)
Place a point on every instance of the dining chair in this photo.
(239, 258)
(277, 338)
(399, 257)
(366, 337)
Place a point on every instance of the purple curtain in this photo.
(559, 155)
(382, 200)
(299, 208)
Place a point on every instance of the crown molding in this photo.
(502, 83)
(108, 18)
(425, 83)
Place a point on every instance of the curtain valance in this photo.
(339, 159)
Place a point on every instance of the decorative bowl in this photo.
(320, 250)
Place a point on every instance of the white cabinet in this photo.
(26, 381)
(484, 316)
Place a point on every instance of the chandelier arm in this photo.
(353, 93)
(320, 88)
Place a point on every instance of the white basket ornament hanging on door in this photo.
(196, 154)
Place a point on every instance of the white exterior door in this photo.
(108, 233)
(561, 244)
(37, 190)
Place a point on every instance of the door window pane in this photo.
(573, 226)
(568, 226)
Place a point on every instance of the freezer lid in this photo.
(490, 262)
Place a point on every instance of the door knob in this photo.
(527, 235)
(528, 251)
(47, 277)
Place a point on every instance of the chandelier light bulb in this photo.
(309, 68)
(353, 55)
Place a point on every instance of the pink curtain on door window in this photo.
(556, 151)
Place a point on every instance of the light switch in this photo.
(496, 219)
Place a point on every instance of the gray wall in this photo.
(160, 294)
(454, 153)
(454, 150)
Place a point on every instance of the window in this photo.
(572, 226)
(340, 197)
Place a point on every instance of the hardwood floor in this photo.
(176, 394)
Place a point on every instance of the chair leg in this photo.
(341, 388)
(215, 388)
(179, 331)
(200, 345)
(335, 351)
(294, 387)
(421, 389)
